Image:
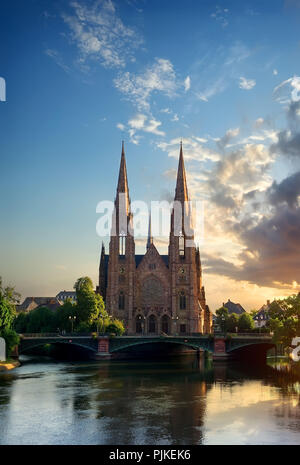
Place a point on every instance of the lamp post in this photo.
(175, 319)
(223, 324)
(72, 319)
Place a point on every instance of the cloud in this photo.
(224, 64)
(187, 83)
(246, 84)
(56, 56)
(221, 16)
(288, 90)
(229, 135)
(288, 143)
(138, 88)
(100, 34)
(215, 88)
(141, 122)
(193, 149)
(287, 191)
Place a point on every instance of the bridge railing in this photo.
(258, 335)
(24, 335)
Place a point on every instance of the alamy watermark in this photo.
(187, 217)
(2, 90)
(295, 354)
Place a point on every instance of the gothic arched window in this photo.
(152, 324)
(138, 324)
(121, 301)
(182, 300)
(165, 324)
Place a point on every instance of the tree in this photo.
(222, 318)
(89, 304)
(8, 299)
(21, 322)
(115, 327)
(41, 320)
(12, 339)
(284, 319)
(232, 322)
(63, 314)
(245, 322)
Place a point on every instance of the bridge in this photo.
(103, 346)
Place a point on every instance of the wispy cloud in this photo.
(247, 84)
(100, 34)
(187, 83)
(221, 15)
(138, 88)
(288, 90)
(141, 122)
(56, 56)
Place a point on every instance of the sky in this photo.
(223, 77)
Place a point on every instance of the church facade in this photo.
(153, 293)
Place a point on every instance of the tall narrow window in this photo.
(121, 301)
(182, 300)
(122, 239)
(181, 245)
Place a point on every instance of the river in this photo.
(182, 400)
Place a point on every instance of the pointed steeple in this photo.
(181, 192)
(122, 181)
(122, 198)
(150, 238)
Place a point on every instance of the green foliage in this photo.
(229, 323)
(83, 327)
(41, 320)
(284, 319)
(222, 318)
(21, 322)
(90, 306)
(11, 338)
(245, 323)
(63, 314)
(8, 299)
(115, 327)
(232, 322)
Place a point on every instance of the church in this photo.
(153, 294)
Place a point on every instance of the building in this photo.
(62, 296)
(234, 308)
(262, 316)
(153, 293)
(31, 303)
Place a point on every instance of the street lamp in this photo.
(223, 323)
(72, 319)
(175, 319)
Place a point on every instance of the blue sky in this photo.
(82, 76)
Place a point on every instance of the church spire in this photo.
(181, 192)
(123, 200)
(122, 181)
(150, 238)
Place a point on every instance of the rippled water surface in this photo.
(177, 401)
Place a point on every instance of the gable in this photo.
(152, 261)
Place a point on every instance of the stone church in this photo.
(153, 293)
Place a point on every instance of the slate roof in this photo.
(50, 302)
(234, 308)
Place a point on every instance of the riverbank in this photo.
(9, 365)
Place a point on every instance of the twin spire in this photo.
(181, 192)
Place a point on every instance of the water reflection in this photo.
(183, 400)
